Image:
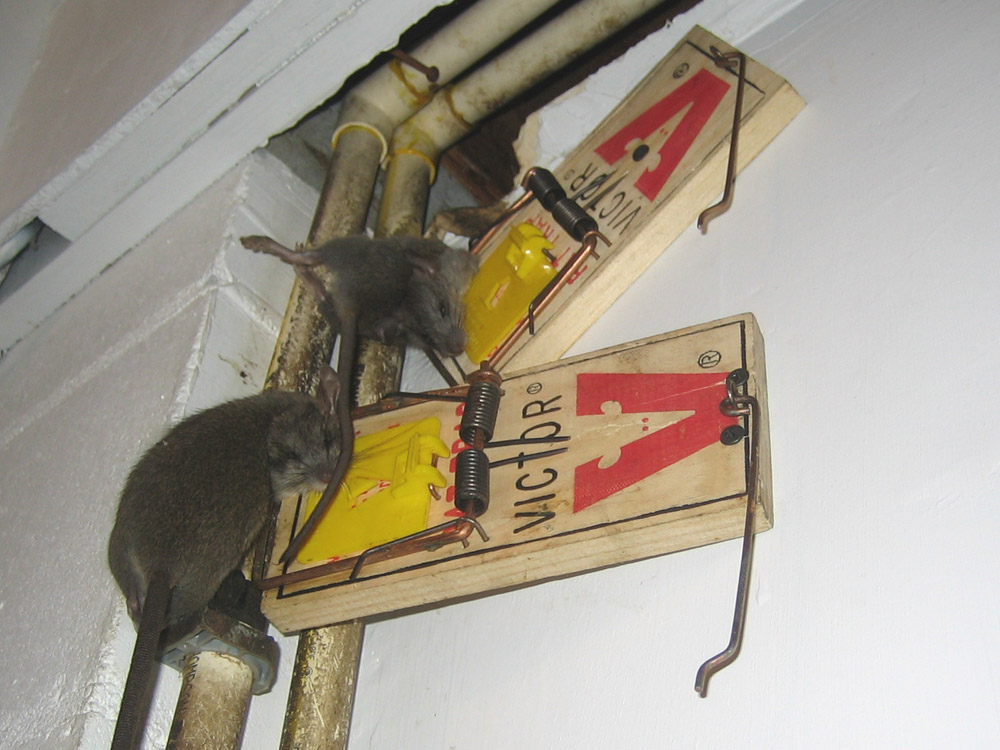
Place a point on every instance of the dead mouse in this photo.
(194, 504)
(398, 290)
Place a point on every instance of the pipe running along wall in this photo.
(213, 702)
(395, 91)
(452, 113)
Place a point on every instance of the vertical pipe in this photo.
(305, 342)
(321, 696)
(407, 185)
(347, 192)
(212, 706)
(406, 191)
(304, 346)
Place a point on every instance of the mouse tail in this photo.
(261, 244)
(138, 685)
(345, 368)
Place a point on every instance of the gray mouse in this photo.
(193, 505)
(398, 290)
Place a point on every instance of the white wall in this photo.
(185, 320)
(23, 28)
(863, 238)
(98, 60)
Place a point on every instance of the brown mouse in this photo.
(193, 505)
(398, 290)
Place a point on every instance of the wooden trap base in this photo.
(626, 463)
(644, 175)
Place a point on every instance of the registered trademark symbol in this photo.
(680, 70)
(534, 388)
(709, 359)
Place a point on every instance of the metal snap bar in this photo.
(738, 405)
(455, 530)
(726, 60)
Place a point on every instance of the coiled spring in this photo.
(472, 467)
(480, 415)
(472, 482)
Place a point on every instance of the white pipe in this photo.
(454, 110)
(418, 142)
(396, 91)
(213, 702)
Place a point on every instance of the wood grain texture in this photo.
(643, 473)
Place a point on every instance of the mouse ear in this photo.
(392, 329)
(329, 389)
(427, 265)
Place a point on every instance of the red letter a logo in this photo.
(642, 394)
(703, 92)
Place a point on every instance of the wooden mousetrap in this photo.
(643, 175)
(605, 458)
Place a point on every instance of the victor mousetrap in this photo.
(604, 458)
(640, 178)
(638, 450)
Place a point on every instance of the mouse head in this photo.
(436, 300)
(303, 444)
